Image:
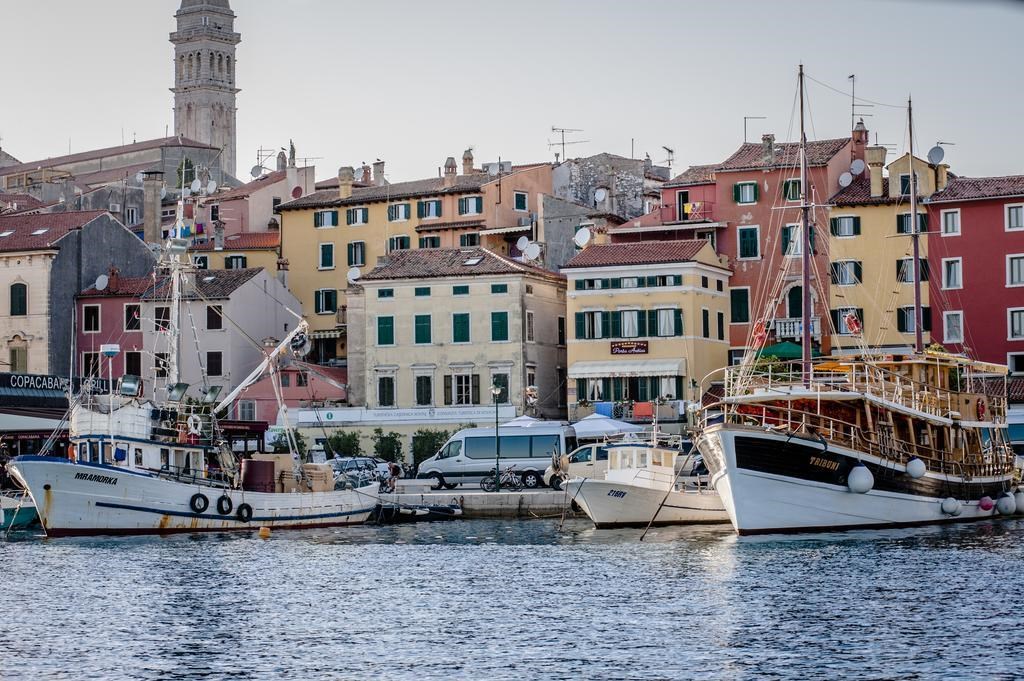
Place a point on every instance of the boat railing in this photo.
(864, 378)
(996, 459)
(193, 476)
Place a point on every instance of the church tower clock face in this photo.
(204, 76)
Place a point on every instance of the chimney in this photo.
(450, 171)
(152, 181)
(941, 177)
(378, 173)
(218, 235)
(114, 280)
(367, 178)
(648, 164)
(282, 160)
(346, 174)
(467, 162)
(859, 138)
(768, 149)
(875, 158)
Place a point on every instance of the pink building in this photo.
(113, 315)
(686, 211)
(302, 385)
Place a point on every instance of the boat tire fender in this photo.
(199, 503)
(224, 504)
(244, 513)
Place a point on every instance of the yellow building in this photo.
(871, 254)
(648, 321)
(239, 251)
(331, 232)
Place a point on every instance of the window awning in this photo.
(332, 333)
(507, 230)
(628, 367)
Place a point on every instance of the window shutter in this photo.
(926, 319)
(439, 206)
(757, 192)
(475, 388)
(736, 192)
(858, 271)
(834, 314)
(348, 216)
(318, 301)
(462, 206)
(677, 318)
(579, 284)
(641, 324)
(334, 218)
(901, 320)
(316, 219)
(606, 388)
(616, 282)
(860, 317)
(922, 219)
(810, 238)
(581, 325)
(616, 316)
(606, 323)
(834, 272)
(679, 388)
(606, 283)
(419, 209)
(581, 389)
(652, 281)
(448, 389)
(652, 322)
(901, 223)
(833, 225)
(786, 238)
(391, 213)
(856, 225)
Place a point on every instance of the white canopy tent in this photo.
(599, 425)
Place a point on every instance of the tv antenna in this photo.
(563, 143)
(671, 155)
(853, 102)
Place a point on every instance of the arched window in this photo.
(19, 300)
(188, 71)
(220, 64)
(227, 62)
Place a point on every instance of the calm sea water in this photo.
(517, 600)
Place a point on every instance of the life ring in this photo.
(981, 409)
(760, 334)
(244, 513)
(195, 424)
(224, 504)
(853, 324)
(199, 503)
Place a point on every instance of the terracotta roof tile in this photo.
(132, 287)
(8, 201)
(693, 175)
(249, 187)
(968, 188)
(787, 155)
(243, 241)
(859, 194)
(31, 232)
(426, 263)
(398, 191)
(639, 253)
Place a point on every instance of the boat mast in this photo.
(805, 243)
(915, 235)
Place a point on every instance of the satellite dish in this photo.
(601, 194)
(196, 185)
(522, 243)
(532, 251)
(493, 169)
(353, 275)
(845, 180)
(211, 187)
(857, 167)
(138, 177)
(582, 237)
(101, 282)
(296, 192)
(256, 171)
(936, 154)
(163, 192)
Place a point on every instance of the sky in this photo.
(413, 82)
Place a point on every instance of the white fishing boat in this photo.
(142, 467)
(862, 440)
(647, 484)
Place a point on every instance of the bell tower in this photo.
(204, 75)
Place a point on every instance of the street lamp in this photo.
(496, 393)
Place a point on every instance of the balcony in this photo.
(629, 411)
(792, 328)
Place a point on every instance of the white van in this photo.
(469, 455)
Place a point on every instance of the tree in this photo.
(341, 443)
(279, 444)
(426, 442)
(387, 447)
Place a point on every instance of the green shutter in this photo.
(439, 207)
(422, 324)
(810, 237)
(705, 318)
(652, 281)
(351, 255)
(581, 325)
(925, 272)
(606, 325)
(606, 388)
(499, 326)
(475, 389)
(641, 323)
(616, 330)
(616, 282)
(787, 236)
(922, 219)
(856, 225)
(462, 206)
(757, 191)
(448, 389)
(419, 209)
(581, 389)
(858, 271)
(677, 321)
(652, 322)
(926, 319)
(391, 213)
(385, 331)
(833, 226)
(460, 328)
(736, 192)
(833, 271)
(739, 307)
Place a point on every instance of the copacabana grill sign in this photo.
(55, 383)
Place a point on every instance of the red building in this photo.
(112, 315)
(301, 385)
(976, 251)
(686, 211)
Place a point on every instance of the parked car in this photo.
(361, 469)
(588, 461)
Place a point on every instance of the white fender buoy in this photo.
(1006, 504)
(950, 506)
(1018, 496)
(916, 468)
(986, 503)
(860, 480)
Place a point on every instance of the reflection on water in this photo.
(516, 599)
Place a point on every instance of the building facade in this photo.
(648, 322)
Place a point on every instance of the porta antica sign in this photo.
(638, 347)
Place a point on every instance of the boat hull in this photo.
(772, 483)
(616, 504)
(16, 513)
(82, 499)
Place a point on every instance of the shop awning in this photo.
(507, 230)
(626, 367)
(331, 333)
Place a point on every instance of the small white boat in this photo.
(17, 511)
(648, 485)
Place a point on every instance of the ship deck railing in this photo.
(996, 459)
(193, 476)
(869, 380)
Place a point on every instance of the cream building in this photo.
(648, 321)
(871, 255)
